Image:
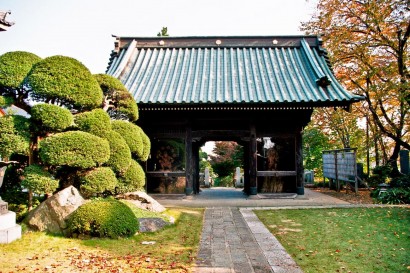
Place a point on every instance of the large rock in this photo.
(51, 215)
(142, 200)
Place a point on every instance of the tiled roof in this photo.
(226, 70)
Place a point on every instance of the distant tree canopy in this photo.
(163, 32)
(369, 50)
(228, 156)
(72, 136)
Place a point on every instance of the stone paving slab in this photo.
(228, 245)
(274, 252)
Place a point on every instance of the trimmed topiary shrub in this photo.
(97, 181)
(65, 80)
(133, 179)
(38, 180)
(74, 149)
(120, 154)
(14, 67)
(119, 102)
(51, 118)
(96, 122)
(14, 135)
(103, 218)
(132, 135)
(146, 147)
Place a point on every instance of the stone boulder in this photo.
(142, 200)
(152, 224)
(51, 215)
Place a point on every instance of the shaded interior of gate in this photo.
(271, 140)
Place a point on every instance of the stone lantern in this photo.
(9, 230)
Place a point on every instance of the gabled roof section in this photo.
(270, 70)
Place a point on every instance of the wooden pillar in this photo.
(189, 165)
(299, 163)
(253, 190)
(246, 174)
(195, 153)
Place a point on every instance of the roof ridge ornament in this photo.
(322, 79)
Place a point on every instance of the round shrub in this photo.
(146, 146)
(67, 81)
(14, 135)
(123, 105)
(38, 180)
(132, 135)
(96, 122)
(74, 149)
(51, 118)
(133, 179)
(97, 181)
(104, 218)
(120, 154)
(14, 67)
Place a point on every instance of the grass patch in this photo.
(174, 250)
(344, 240)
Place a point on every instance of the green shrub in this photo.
(96, 122)
(38, 180)
(379, 176)
(14, 67)
(402, 181)
(104, 218)
(97, 181)
(51, 118)
(74, 149)
(133, 179)
(122, 104)
(146, 147)
(65, 80)
(224, 181)
(5, 101)
(395, 196)
(14, 135)
(120, 154)
(132, 135)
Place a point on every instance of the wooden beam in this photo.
(276, 173)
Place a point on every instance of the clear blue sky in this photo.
(82, 29)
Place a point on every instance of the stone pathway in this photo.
(235, 241)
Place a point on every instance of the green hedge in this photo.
(133, 179)
(14, 67)
(74, 149)
(132, 135)
(120, 154)
(67, 81)
(103, 218)
(51, 118)
(96, 122)
(97, 181)
(39, 180)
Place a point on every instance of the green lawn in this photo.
(174, 250)
(344, 240)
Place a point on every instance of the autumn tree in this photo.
(227, 156)
(368, 46)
